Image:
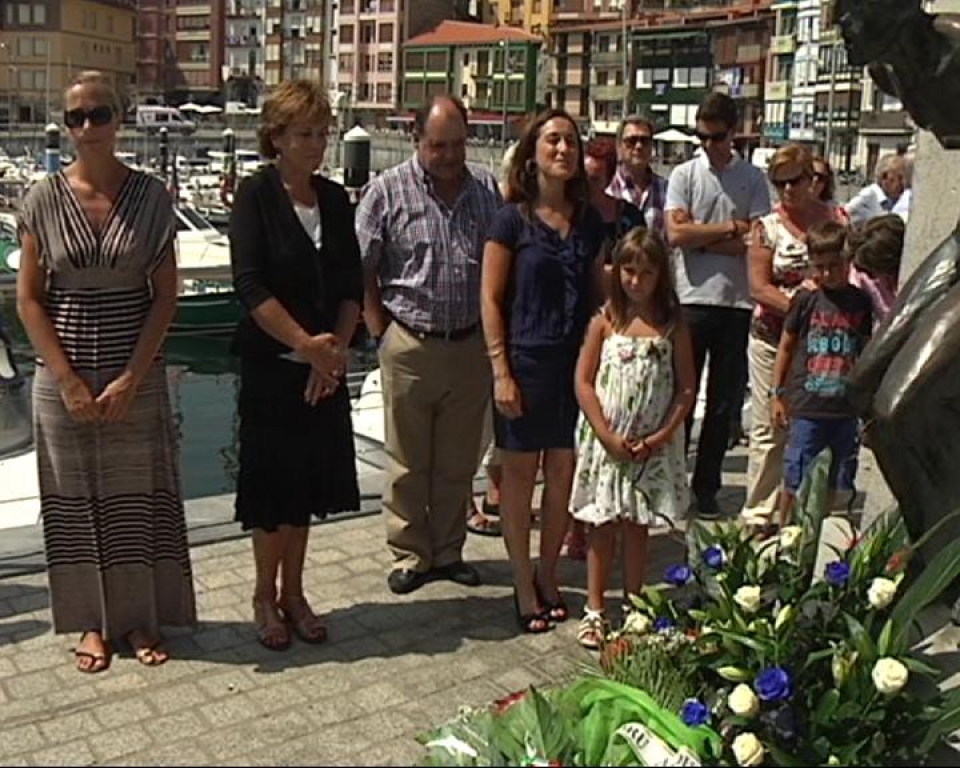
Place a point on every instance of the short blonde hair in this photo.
(103, 85)
(291, 100)
(791, 154)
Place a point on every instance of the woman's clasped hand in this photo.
(328, 364)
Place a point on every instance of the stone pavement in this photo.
(394, 666)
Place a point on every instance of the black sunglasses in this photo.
(75, 118)
(793, 181)
(718, 136)
(632, 141)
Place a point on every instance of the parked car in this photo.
(152, 118)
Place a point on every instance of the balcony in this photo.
(783, 44)
(779, 90)
(885, 122)
(607, 59)
(607, 92)
(241, 41)
(748, 54)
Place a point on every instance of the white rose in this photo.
(881, 593)
(748, 750)
(743, 701)
(889, 676)
(748, 598)
(790, 536)
(637, 623)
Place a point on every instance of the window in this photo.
(681, 77)
(385, 62)
(24, 47)
(10, 14)
(386, 33)
(109, 23)
(644, 78)
(698, 77)
(23, 14)
(661, 75)
(346, 34)
(384, 93)
(346, 62)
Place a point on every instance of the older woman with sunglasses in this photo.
(777, 264)
(96, 292)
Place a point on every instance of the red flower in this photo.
(897, 561)
(614, 650)
(502, 705)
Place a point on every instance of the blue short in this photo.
(808, 437)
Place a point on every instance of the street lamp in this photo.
(505, 47)
(624, 10)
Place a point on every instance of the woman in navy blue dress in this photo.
(542, 278)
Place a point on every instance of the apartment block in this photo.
(370, 35)
(45, 43)
(493, 69)
(885, 126)
(199, 51)
(780, 62)
(155, 48)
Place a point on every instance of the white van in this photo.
(152, 118)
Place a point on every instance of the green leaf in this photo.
(827, 707)
(886, 636)
(935, 578)
(785, 758)
(915, 665)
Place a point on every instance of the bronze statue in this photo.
(910, 54)
(907, 383)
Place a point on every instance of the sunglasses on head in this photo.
(792, 181)
(75, 118)
(632, 141)
(718, 136)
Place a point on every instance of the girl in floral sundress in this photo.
(635, 383)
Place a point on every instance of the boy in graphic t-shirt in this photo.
(824, 333)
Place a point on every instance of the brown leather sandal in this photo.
(271, 634)
(98, 662)
(305, 623)
(147, 650)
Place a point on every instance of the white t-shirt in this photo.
(310, 219)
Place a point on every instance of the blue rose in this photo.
(694, 713)
(837, 573)
(663, 624)
(774, 684)
(713, 557)
(678, 575)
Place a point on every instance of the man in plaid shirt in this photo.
(422, 227)
(635, 182)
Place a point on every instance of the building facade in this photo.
(155, 51)
(780, 63)
(199, 51)
(370, 34)
(493, 69)
(45, 43)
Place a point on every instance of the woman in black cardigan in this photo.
(296, 269)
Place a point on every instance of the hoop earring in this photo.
(530, 166)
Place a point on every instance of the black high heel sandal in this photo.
(535, 623)
(556, 609)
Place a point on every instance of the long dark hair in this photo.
(522, 183)
(641, 245)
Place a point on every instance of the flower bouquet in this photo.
(746, 656)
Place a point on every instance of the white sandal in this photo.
(592, 630)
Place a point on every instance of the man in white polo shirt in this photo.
(711, 202)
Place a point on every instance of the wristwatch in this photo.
(777, 391)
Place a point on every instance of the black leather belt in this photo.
(454, 335)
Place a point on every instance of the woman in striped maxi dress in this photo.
(96, 293)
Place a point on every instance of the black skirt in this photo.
(296, 460)
(545, 378)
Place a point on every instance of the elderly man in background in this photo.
(882, 196)
(634, 181)
(421, 227)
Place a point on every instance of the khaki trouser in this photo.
(435, 400)
(767, 442)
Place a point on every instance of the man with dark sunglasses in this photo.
(711, 201)
(634, 182)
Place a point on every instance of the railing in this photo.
(779, 90)
(885, 121)
(783, 44)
